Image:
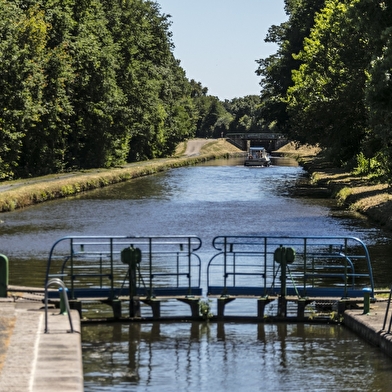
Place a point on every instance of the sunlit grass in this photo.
(22, 194)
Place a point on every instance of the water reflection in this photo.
(217, 198)
(205, 200)
(257, 357)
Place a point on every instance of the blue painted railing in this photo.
(91, 266)
(322, 267)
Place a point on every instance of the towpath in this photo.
(193, 148)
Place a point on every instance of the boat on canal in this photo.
(257, 156)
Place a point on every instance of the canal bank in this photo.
(353, 192)
(176, 329)
(23, 193)
(32, 360)
(371, 326)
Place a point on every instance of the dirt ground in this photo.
(194, 146)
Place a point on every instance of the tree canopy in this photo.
(329, 82)
(88, 83)
(94, 83)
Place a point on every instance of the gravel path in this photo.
(193, 149)
(194, 146)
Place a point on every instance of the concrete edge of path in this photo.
(38, 361)
(370, 326)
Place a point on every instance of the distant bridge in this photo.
(270, 141)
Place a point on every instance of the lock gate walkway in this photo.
(131, 270)
(313, 268)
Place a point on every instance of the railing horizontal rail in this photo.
(98, 261)
(320, 262)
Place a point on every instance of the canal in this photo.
(215, 198)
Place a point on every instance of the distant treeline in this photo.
(94, 83)
(330, 82)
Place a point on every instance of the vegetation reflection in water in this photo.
(231, 357)
(208, 201)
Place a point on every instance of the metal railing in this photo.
(93, 264)
(323, 266)
(65, 299)
(387, 314)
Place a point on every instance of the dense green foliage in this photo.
(329, 82)
(88, 83)
(94, 83)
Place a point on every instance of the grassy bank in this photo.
(23, 193)
(353, 192)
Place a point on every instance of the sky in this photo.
(219, 41)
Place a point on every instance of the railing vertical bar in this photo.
(178, 268)
(345, 268)
(265, 266)
(111, 270)
(100, 270)
(189, 265)
(387, 310)
(224, 264)
(150, 264)
(72, 274)
(234, 269)
(305, 265)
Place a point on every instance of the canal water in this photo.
(215, 198)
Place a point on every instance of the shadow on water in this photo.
(219, 197)
(216, 198)
(257, 357)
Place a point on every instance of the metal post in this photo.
(132, 289)
(366, 300)
(387, 310)
(3, 276)
(282, 303)
(280, 257)
(132, 257)
(63, 306)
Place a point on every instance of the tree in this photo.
(246, 114)
(22, 55)
(45, 142)
(326, 102)
(374, 21)
(276, 70)
(89, 83)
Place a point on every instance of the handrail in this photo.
(95, 262)
(65, 296)
(386, 313)
(191, 242)
(317, 257)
